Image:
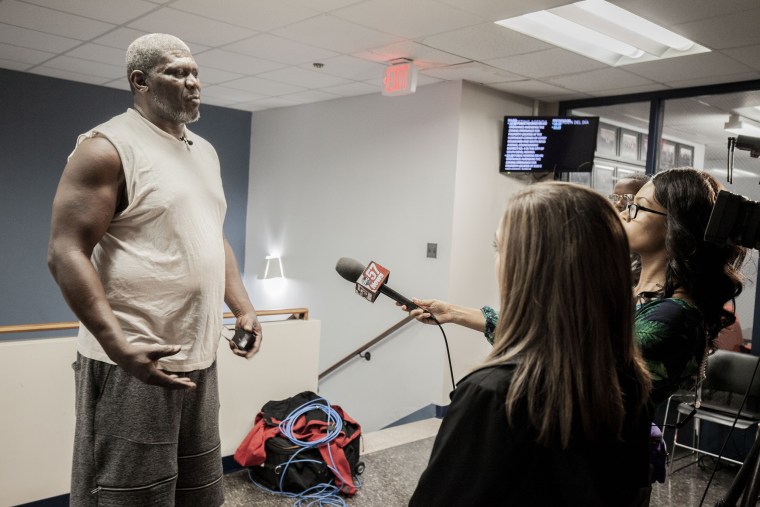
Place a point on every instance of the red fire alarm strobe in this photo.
(400, 79)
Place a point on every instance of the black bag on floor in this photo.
(280, 464)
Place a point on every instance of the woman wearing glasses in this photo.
(558, 412)
(684, 282)
(625, 189)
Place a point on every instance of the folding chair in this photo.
(719, 397)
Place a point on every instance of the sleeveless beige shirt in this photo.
(161, 260)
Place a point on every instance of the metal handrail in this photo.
(295, 313)
(366, 346)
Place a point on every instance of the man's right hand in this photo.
(141, 361)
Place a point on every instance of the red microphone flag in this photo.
(369, 283)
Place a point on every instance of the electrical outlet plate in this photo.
(432, 250)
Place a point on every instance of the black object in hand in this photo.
(243, 339)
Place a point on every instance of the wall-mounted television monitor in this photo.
(549, 143)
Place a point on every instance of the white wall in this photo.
(480, 199)
(377, 178)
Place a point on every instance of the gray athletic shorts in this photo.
(142, 445)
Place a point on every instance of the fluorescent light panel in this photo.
(602, 31)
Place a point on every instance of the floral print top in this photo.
(671, 336)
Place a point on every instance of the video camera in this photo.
(734, 219)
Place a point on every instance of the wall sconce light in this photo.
(273, 268)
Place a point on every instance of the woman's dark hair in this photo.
(707, 272)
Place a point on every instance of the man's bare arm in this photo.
(239, 303)
(85, 203)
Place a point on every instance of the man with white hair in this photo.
(138, 250)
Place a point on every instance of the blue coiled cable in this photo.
(320, 495)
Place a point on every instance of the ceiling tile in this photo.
(530, 88)
(725, 78)
(688, 67)
(263, 86)
(349, 67)
(551, 62)
(748, 55)
(232, 94)
(109, 11)
(352, 89)
(11, 65)
(485, 42)
(217, 101)
(32, 39)
(24, 55)
(475, 72)
(627, 90)
(120, 38)
(50, 21)
(354, 39)
(605, 79)
(336, 34)
(68, 75)
(261, 15)
(250, 106)
(310, 96)
(210, 75)
(303, 77)
(325, 5)
(234, 62)
(191, 28)
(564, 96)
(407, 19)
(423, 56)
(271, 103)
(674, 12)
(277, 49)
(494, 10)
(423, 80)
(728, 31)
(99, 53)
(79, 66)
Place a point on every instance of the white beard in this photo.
(175, 115)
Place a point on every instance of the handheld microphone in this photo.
(370, 280)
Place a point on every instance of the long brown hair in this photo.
(567, 312)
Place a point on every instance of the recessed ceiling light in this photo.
(602, 31)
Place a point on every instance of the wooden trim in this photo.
(295, 313)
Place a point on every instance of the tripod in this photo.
(747, 481)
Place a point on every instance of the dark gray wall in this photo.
(40, 118)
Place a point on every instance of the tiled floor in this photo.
(395, 458)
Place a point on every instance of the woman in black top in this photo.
(557, 414)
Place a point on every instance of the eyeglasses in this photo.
(633, 210)
(616, 198)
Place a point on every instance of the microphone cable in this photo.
(448, 352)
